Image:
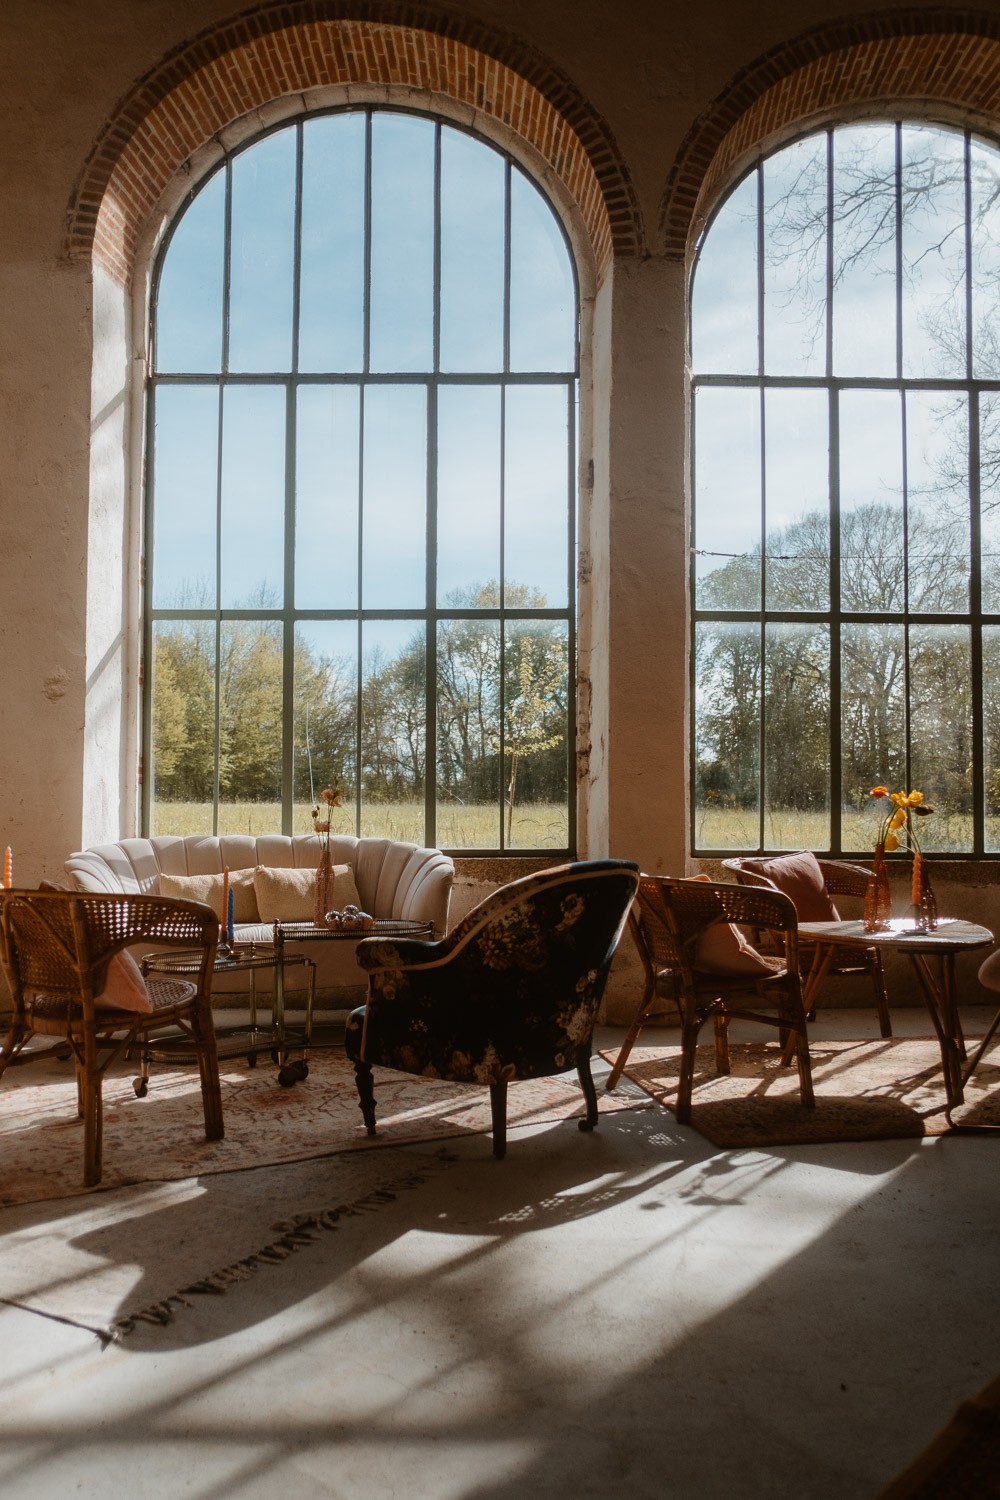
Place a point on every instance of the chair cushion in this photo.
(800, 877)
(208, 888)
(288, 895)
(722, 949)
(124, 988)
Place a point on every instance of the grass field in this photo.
(731, 828)
(536, 825)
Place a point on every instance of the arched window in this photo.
(846, 476)
(361, 490)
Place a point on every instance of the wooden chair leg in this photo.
(881, 993)
(589, 1091)
(366, 1094)
(93, 1122)
(722, 1063)
(211, 1088)
(498, 1112)
(685, 1086)
(640, 1017)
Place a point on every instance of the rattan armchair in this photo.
(56, 947)
(668, 922)
(825, 962)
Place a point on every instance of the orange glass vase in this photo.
(323, 898)
(923, 907)
(878, 900)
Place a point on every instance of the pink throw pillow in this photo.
(722, 949)
(800, 877)
(124, 987)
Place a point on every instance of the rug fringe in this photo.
(293, 1234)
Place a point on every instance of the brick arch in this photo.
(934, 62)
(277, 50)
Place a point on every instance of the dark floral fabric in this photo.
(511, 992)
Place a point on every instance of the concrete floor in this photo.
(629, 1313)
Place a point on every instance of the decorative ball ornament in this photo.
(351, 919)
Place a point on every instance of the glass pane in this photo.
(394, 524)
(724, 294)
(326, 497)
(536, 496)
(795, 245)
(402, 243)
(542, 291)
(797, 470)
(984, 169)
(253, 497)
(727, 736)
(941, 741)
(185, 478)
(468, 540)
(393, 730)
(332, 298)
(797, 737)
(472, 254)
(989, 489)
(864, 250)
(189, 295)
(535, 736)
(727, 498)
(933, 195)
(325, 719)
(468, 739)
(250, 727)
(263, 255)
(872, 724)
(991, 734)
(871, 501)
(938, 510)
(182, 730)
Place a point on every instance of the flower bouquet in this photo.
(898, 822)
(322, 821)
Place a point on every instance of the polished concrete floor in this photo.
(629, 1313)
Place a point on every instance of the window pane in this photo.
(795, 243)
(933, 194)
(727, 498)
(468, 737)
(797, 469)
(262, 256)
(393, 730)
(724, 295)
(182, 734)
(941, 732)
(326, 497)
(536, 740)
(402, 243)
(185, 480)
(871, 501)
(189, 294)
(468, 545)
(250, 690)
(326, 714)
(394, 525)
(797, 737)
(472, 254)
(536, 496)
(991, 734)
(938, 510)
(872, 723)
(984, 168)
(727, 735)
(864, 250)
(332, 302)
(542, 292)
(253, 497)
(989, 485)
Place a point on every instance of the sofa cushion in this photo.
(800, 877)
(208, 888)
(288, 895)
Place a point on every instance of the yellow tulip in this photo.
(891, 842)
(898, 818)
(879, 791)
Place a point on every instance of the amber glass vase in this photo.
(324, 887)
(923, 907)
(878, 901)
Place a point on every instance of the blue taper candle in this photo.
(229, 917)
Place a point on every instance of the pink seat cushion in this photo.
(722, 949)
(800, 877)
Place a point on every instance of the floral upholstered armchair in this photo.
(512, 992)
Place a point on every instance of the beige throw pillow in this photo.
(208, 888)
(288, 895)
(722, 949)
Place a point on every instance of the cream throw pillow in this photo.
(208, 888)
(288, 895)
(124, 987)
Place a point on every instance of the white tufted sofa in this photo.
(393, 879)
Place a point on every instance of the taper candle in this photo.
(8, 869)
(223, 914)
(230, 916)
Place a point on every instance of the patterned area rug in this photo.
(161, 1137)
(865, 1091)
